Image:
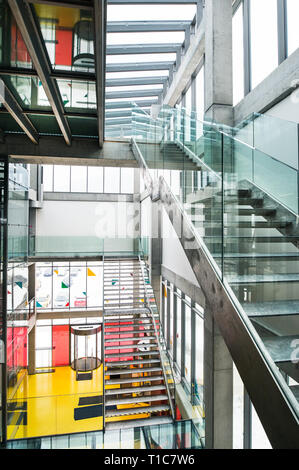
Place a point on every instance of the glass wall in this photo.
(18, 212)
(92, 179)
(264, 39)
(69, 285)
(183, 320)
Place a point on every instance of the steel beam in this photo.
(120, 113)
(135, 81)
(13, 107)
(132, 94)
(135, 67)
(146, 26)
(118, 122)
(142, 49)
(87, 4)
(100, 14)
(152, 2)
(57, 74)
(129, 104)
(32, 37)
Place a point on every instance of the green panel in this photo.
(45, 124)
(7, 123)
(83, 126)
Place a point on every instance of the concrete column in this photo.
(136, 201)
(155, 257)
(218, 61)
(218, 387)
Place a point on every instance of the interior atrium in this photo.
(149, 209)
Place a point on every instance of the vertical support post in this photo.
(183, 335)
(247, 48)
(155, 256)
(193, 351)
(282, 30)
(175, 323)
(168, 316)
(218, 387)
(247, 440)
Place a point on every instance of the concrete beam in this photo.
(277, 86)
(142, 49)
(111, 82)
(142, 66)
(98, 197)
(129, 104)
(189, 63)
(81, 152)
(146, 26)
(133, 94)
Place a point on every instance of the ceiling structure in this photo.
(75, 68)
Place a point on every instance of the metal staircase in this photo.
(136, 388)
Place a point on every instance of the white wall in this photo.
(288, 108)
(173, 255)
(91, 219)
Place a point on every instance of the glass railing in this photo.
(82, 246)
(242, 203)
(177, 435)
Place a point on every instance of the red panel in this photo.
(19, 50)
(17, 347)
(60, 344)
(64, 47)
(9, 347)
(20, 348)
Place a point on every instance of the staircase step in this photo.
(151, 378)
(121, 391)
(145, 399)
(145, 323)
(272, 309)
(136, 410)
(132, 354)
(132, 338)
(281, 348)
(295, 390)
(262, 278)
(131, 423)
(124, 332)
(144, 370)
(137, 361)
(127, 311)
(132, 346)
(246, 211)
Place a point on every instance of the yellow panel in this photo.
(67, 17)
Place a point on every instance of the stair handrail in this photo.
(146, 299)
